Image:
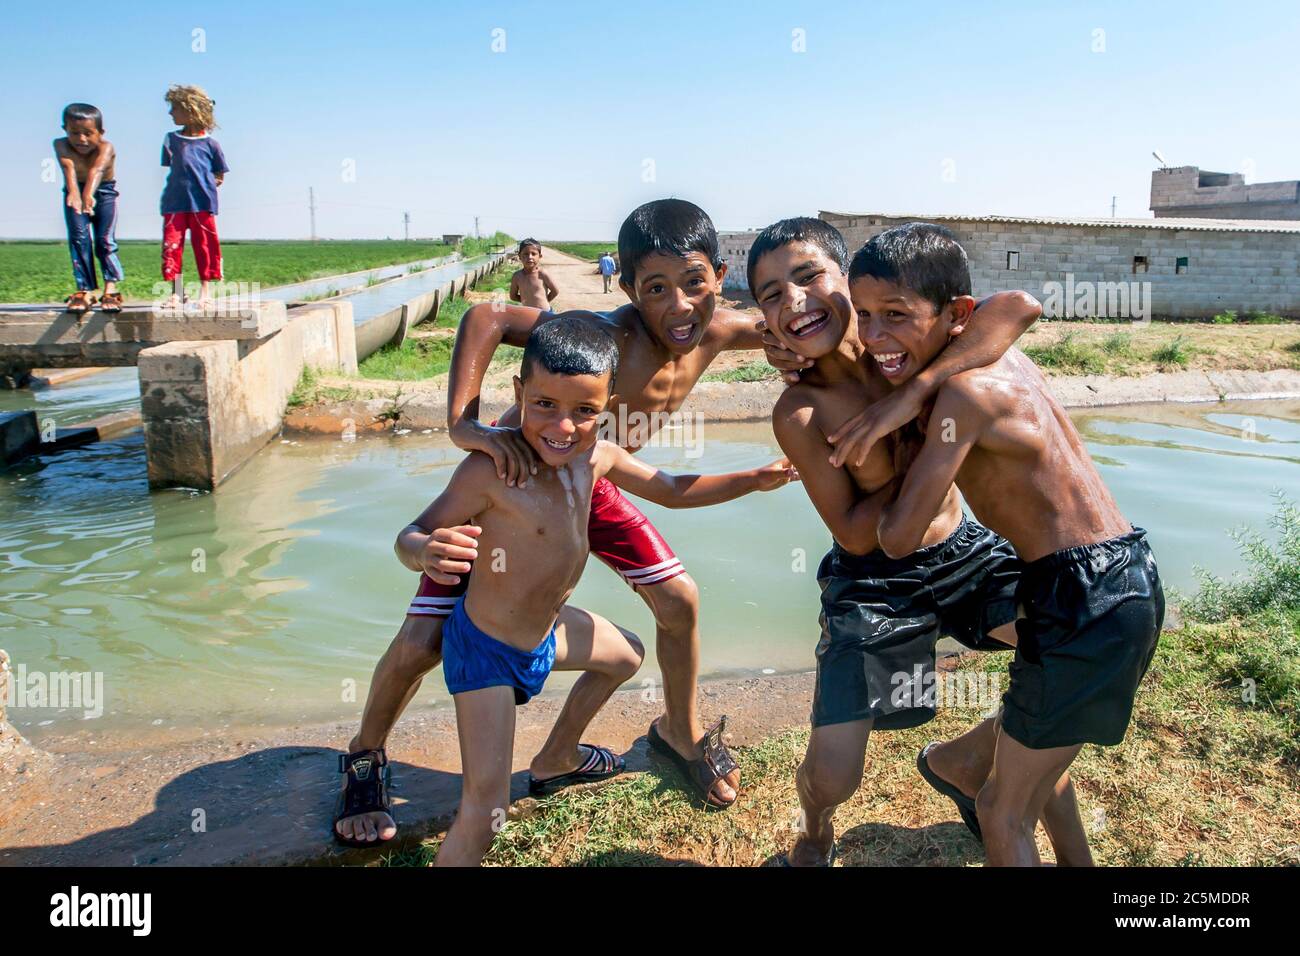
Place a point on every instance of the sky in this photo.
(557, 119)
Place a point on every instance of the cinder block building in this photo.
(1191, 192)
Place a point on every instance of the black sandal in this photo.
(706, 770)
(827, 861)
(366, 791)
(965, 804)
(601, 764)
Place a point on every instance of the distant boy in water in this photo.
(1091, 594)
(513, 626)
(89, 206)
(530, 285)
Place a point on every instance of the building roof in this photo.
(1170, 222)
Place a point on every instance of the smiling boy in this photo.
(512, 626)
(881, 617)
(666, 338)
(1091, 594)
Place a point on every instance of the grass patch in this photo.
(415, 359)
(749, 372)
(1174, 354)
(1068, 355)
(39, 271)
(591, 251)
(1209, 774)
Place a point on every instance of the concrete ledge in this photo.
(50, 339)
(19, 437)
(209, 406)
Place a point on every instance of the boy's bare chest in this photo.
(840, 403)
(649, 386)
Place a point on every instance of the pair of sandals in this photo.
(81, 302)
(369, 777)
(369, 780)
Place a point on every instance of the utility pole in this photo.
(476, 227)
(311, 204)
(1112, 206)
(406, 226)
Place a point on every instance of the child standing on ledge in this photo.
(189, 199)
(89, 206)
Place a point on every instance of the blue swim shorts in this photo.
(472, 659)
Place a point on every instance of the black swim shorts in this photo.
(881, 618)
(1093, 617)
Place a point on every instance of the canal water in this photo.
(269, 601)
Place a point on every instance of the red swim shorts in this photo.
(619, 534)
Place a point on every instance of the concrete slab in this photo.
(19, 436)
(54, 339)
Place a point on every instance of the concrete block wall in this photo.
(734, 249)
(1188, 191)
(1239, 270)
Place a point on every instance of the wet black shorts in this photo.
(881, 618)
(1092, 618)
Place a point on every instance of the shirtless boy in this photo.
(87, 160)
(881, 617)
(530, 285)
(1091, 594)
(666, 339)
(513, 625)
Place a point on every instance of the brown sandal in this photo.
(79, 302)
(704, 771)
(111, 302)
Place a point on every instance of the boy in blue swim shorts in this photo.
(513, 625)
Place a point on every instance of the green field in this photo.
(40, 271)
(591, 251)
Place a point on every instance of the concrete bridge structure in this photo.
(214, 385)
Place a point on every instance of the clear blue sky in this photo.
(550, 136)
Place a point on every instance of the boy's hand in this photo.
(448, 552)
(776, 475)
(74, 202)
(88, 204)
(513, 456)
(780, 358)
(854, 439)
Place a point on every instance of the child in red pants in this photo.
(189, 200)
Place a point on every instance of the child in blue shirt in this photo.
(189, 199)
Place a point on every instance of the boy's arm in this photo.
(466, 495)
(993, 327)
(686, 491)
(69, 173)
(904, 521)
(483, 327)
(514, 287)
(850, 514)
(736, 331)
(551, 291)
(102, 158)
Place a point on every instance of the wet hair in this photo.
(921, 256)
(570, 345)
(83, 111)
(672, 227)
(195, 101)
(530, 241)
(799, 229)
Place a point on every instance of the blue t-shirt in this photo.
(195, 162)
(606, 265)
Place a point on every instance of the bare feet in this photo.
(372, 826)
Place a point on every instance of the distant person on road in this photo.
(89, 206)
(607, 269)
(530, 285)
(189, 199)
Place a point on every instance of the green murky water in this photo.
(267, 601)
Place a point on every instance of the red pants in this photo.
(203, 240)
